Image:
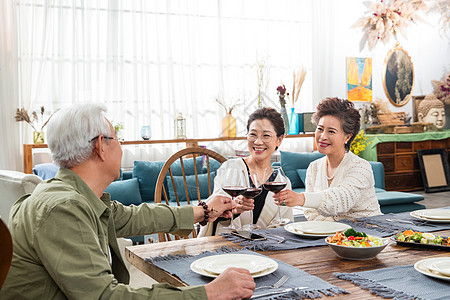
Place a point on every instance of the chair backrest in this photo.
(181, 156)
(6, 251)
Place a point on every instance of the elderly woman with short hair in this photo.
(341, 184)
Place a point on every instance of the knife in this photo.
(277, 292)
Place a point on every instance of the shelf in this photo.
(28, 148)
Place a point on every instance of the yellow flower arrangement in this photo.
(359, 143)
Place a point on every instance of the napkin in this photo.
(294, 241)
(179, 265)
(418, 225)
(388, 284)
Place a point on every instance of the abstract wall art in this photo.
(359, 79)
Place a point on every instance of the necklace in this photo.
(334, 173)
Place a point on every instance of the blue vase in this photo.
(146, 132)
(293, 122)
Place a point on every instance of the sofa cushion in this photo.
(386, 209)
(45, 171)
(378, 174)
(292, 161)
(302, 174)
(191, 185)
(147, 174)
(125, 191)
(213, 166)
(392, 198)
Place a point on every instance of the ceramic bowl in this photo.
(358, 253)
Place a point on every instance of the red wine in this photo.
(234, 191)
(274, 186)
(252, 192)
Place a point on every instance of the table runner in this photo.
(293, 241)
(388, 284)
(419, 225)
(179, 265)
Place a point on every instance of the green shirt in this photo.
(62, 234)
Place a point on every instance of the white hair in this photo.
(71, 129)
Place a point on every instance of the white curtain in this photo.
(149, 60)
(10, 138)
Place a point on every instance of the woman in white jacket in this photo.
(339, 185)
(265, 132)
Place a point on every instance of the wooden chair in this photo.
(6, 251)
(188, 153)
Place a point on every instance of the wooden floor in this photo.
(435, 200)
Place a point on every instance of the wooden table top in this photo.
(320, 261)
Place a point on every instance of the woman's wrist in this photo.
(301, 199)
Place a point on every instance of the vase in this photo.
(285, 119)
(293, 122)
(229, 126)
(38, 137)
(146, 132)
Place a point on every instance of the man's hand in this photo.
(234, 283)
(219, 206)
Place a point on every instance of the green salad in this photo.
(351, 238)
(410, 236)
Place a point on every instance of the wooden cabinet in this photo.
(401, 165)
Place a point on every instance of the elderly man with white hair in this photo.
(64, 233)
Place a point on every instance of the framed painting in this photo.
(359, 79)
(434, 168)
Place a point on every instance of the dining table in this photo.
(320, 261)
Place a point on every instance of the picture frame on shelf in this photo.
(416, 101)
(306, 122)
(434, 169)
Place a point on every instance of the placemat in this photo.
(416, 225)
(388, 284)
(179, 265)
(290, 241)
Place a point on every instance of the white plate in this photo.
(316, 228)
(214, 265)
(439, 214)
(423, 266)
(419, 214)
(442, 267)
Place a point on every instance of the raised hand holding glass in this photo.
(254, 188)
(275, 182)
(234, 185)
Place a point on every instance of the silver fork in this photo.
(409, 222)
(276, 285)
(278, 238)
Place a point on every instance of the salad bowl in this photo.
(361, 248)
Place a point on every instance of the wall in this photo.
(428, 48)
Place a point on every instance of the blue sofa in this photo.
(295, 165)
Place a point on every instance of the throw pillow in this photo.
(125, 191)
(291, 161)
(191, 185)
(147, 173)
(302, 174)
(45, 171)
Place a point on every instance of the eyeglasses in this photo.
(120, 140)
(266, 138)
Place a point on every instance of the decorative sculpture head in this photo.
(431, 110)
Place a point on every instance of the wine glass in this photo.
(276, 181)
(234, 185)
(254, 188)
